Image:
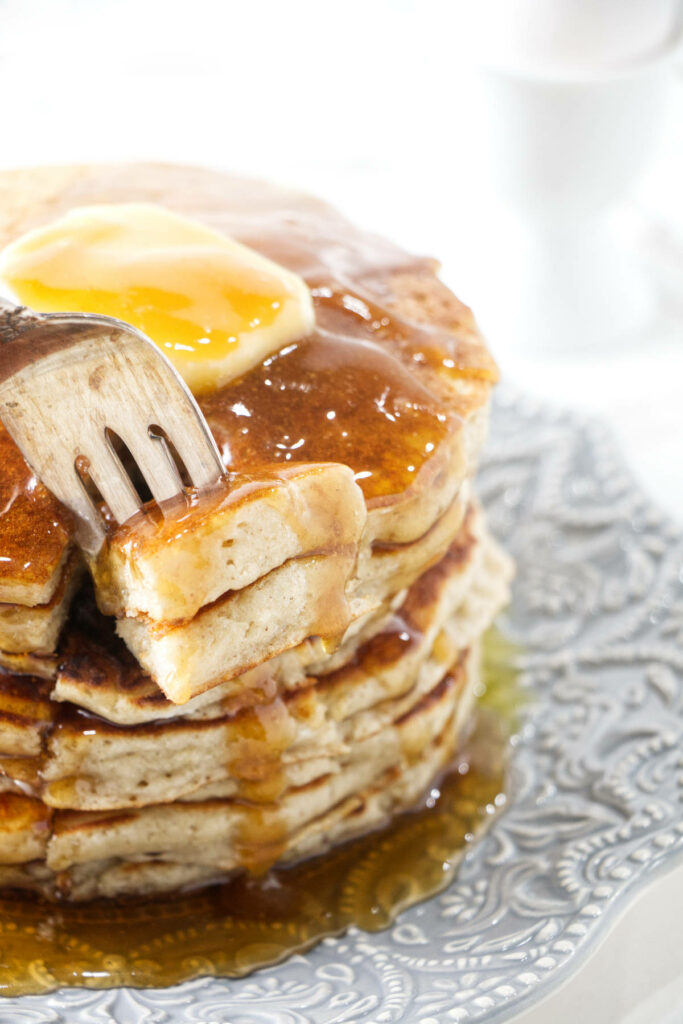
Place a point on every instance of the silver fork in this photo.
(73, 386)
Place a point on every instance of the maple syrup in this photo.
(370, 384)
(331, 399)
(35, 529)
(254, 921)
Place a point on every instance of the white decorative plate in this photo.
(580, 881)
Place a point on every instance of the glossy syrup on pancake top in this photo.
(367, 386)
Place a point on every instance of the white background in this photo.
(365, 102)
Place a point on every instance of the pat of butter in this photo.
(213, 306)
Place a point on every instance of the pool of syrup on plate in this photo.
(251, 922)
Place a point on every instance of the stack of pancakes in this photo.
(251, 675)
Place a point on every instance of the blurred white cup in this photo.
(569, 114)
(557, 35)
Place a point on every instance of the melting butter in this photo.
(215, 307)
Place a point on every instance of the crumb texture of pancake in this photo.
(251, 675)
(79, 855)
(229, 786)
(167, 566)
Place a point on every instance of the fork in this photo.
(77, 387)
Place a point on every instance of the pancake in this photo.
(255, 673)
(97, 671)
(84, 762)
(26, 713)
(35, 533)
(25, 828)
(111, 877)
(39, 569)
(36, 628)
(166, 567)
(99, 674)
(30, 663)
(394, 383)
(304, 597)
(90, 854)
(93, 765)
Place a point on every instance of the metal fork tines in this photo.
(75, 388)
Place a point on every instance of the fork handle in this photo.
(17, 321)
(14, 320)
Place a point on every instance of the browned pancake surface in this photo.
(394, 361)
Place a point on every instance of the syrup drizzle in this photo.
(387, 385)
(34, 528)
(330, 400)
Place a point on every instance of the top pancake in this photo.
(394, 382)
